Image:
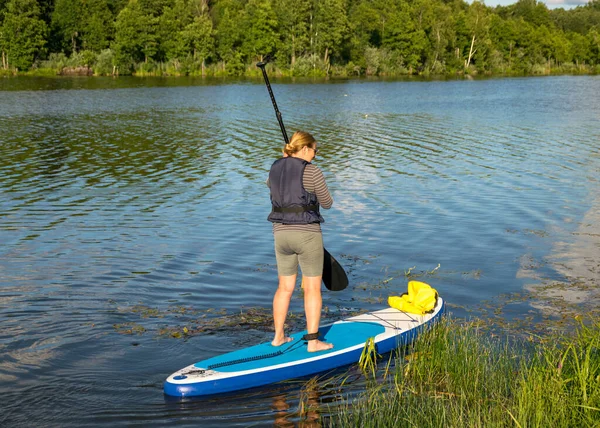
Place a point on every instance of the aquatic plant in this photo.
(459, 375)
(368, 358)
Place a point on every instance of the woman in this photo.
(298, 189)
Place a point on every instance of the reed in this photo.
(458, 375)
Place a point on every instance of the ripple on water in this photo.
(119, 199)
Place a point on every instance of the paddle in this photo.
(334, 277)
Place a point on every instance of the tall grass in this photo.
(6, 73)
(376, 62)
(459, 376)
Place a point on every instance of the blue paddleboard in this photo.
(264, 364)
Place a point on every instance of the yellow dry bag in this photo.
(420, 299)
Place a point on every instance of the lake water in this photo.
(133, 208)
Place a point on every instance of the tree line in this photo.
(307, 37)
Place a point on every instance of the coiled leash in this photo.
(305, 338)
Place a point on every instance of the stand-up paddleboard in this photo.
(264, 364)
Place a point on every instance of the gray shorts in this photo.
(293, 247)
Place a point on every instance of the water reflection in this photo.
(117, 195)
(577, 261)
(291, 404)
(309, 408)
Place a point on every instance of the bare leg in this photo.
(281, 303)
(312, 307)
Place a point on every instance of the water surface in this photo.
(131, 209)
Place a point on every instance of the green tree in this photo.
(170, 24)
(594, 45)
(68, 22)
(532, 11)
(379, 36)
(46, 7)
(185, 30)
(404, 37)
(561, 48)
(440, 35)
(459, 44)
(580, 52)
(197, 38)
(331, 28)
(98, 25)
(229, 34)
(154, 7)
(23, 34)
(537, 45)
(478, 27)
(116, 6)
(505, 34)
(366, 22)
(135, 35)
(200, 7)
(260, 29)
(294, 18)
(2, 38)
(86, 24)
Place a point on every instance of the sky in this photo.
(552, 4)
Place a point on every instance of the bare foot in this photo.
(317, 345)
(279, 342)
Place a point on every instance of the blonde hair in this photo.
(299, 140)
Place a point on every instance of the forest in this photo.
(306, 37)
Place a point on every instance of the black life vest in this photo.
(291, 203)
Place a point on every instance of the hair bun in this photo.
(299, 140)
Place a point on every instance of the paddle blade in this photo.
(334, 277)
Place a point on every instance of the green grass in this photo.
(379, 62)
(7, 73)
(460, 376)
(40, 72)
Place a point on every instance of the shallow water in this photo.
(132, 208)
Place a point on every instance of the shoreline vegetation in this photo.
(308, 38)
(51, 68)
(457, 374)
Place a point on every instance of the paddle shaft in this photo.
(262, 65)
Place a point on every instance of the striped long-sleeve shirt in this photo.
(314, 182)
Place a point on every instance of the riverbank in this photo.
(64, 66)
(459, 375)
